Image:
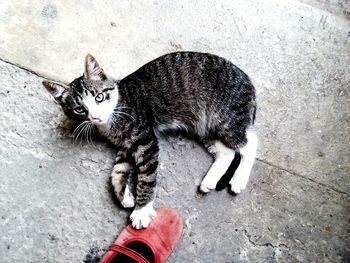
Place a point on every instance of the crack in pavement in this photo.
(267, 244)
(23, 68)
(302, 176)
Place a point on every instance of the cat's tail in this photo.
(252, 113)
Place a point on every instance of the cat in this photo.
(201, 94)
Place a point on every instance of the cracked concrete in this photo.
(278, 246)
(302, 176)
(55, 199)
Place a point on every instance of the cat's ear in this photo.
(57, 90)
(93, 70)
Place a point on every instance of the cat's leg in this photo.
(121, 171)
(223, 158)
(146, 160)
(248, 153)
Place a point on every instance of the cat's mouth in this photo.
(99, 121)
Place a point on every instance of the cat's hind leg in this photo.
(248, 153)
(223, 156)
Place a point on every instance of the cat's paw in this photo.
(238, 184)
(128, 199)
(208, 184)
(141, 217)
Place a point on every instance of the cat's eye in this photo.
(99, 97)
(79, 110)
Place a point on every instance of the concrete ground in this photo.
(55, 199)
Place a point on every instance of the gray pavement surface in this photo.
(55, 198)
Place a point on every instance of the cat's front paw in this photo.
(141, 217)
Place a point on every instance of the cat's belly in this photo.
(172, 126)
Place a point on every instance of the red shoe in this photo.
(149, 245)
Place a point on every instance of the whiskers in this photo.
(84, 130)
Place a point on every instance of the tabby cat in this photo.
(201, 94)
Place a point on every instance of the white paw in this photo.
(129, 199)
(141, 217)
(207, 185)
(238, 183)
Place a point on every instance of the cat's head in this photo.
(91, 97)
